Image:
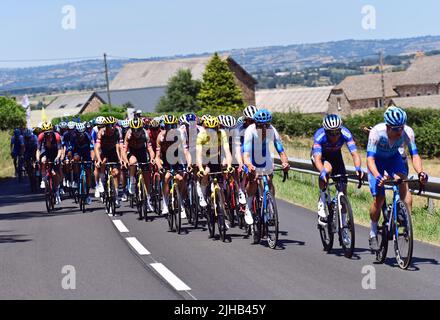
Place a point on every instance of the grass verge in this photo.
(303, 190)
(6, 164)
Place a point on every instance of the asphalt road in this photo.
(124, 258)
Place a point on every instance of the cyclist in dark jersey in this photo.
(108, 149)
(49, 149)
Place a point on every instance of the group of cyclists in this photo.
(239, 147)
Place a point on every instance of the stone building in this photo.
(156, 74)
(355, 93)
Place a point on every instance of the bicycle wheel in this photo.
(194, 205)
(347, 233)
(210, 219)
(188, 203)
(112, 196)
(382, 239)
(271, 223)
(47, 196)
(143, 199)
(221, 215)
(403, 244)
(255, 228)
(158, 195)
(170, 216)
(177, 209)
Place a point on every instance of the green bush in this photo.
(12, 115)
(297, 124)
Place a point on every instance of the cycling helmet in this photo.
(190, 117)
(395, 116)
(88, 124)
(154, 123)
(17, 132)
(204, 117)
(47, 126)
(229, 122)
(146, 121)
(170, 119)
(240, 121)
(221, 119)
(182, 119)
(211, 122)
(332, 122)
(125, 123)
(110, 120)
(249, 111)
(136, 124)
(71, 125)
(27, 133)
(263, 116)
(80, 127)
(100, 120)
(63, 125)
(138, 112)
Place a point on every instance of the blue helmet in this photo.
(17, 132)
(190, 117)
(263, 116)
(395, 116)
(240, 122)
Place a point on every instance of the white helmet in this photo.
(71, 125)
(332, 122)
(249, 111)
(100, 120)
(229, 121)
(81, 127)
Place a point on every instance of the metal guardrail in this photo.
(432, 189)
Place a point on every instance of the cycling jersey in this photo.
(30, 147)
(68, 138)
(258, 149)
(379, 145)
(49, 145)
(152, 134)
(17, 143)
(170, 146)
(108, 140)
(94, 134)
(82, 145)
(137, 146)
(322, 144)
(212, 142)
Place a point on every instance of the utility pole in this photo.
(382, 77)
(106, 79)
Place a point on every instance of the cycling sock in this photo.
(373, 231)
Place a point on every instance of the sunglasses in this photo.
(396, 129)
(333, 133)
(170, 126)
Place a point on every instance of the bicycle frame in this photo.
(396, 198)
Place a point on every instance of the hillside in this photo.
(258, 61)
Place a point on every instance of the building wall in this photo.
(344, 104)
(415, 90)
(93, 106)
(245, 83)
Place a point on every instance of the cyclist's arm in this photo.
(199, 153)
(373, 140)
(247, 148)
(158, 149)
(410, 140)
(317, 152)
(149, 146)
(351, 145)
(279, 147)
(59, 146)
(98, 147)
(125, 147)
(225, 145)
(119, 144)
(186, 152)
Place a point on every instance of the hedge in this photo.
(425, 122)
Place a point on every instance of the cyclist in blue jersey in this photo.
(257, 156)
(17, 147)
(327, 157)
(67, 139)
(82, 148)
(384, 142)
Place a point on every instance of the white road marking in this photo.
(121, 227)
(137, 246)
(172, 279)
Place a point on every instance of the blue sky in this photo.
(135, 28)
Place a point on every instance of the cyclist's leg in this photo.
(378, 198)
(132, 160)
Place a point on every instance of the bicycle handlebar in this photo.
(396, 182)
(338, 176)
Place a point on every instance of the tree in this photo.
(219, 92)
(181, 94)
(12, 115)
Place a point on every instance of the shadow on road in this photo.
(12, 238)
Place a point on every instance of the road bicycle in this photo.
(175, 203)
(339, 217)
(83, 187)
(110, 192)
(396, 226)
(192, 201)
(140, 196)
(265, 213)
